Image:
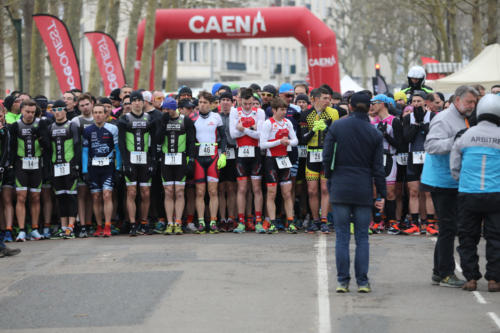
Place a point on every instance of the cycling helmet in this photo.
(488, 108)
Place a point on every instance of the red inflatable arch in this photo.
(231, 23)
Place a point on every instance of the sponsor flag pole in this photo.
(108, 60)
(61, 51)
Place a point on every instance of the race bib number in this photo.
(61, 169)
(302, 151)
(230, 154)
(316, 156)
(246, 151)
(283, 162)
(100, 161)
(173, 159)
(206, 149)
(30, 163)
(418, 157)
(402, 159)
(138, 157)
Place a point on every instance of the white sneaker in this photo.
(21, 237)
(46, 232)
(35, 235)
(191, 227)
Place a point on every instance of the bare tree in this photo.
(113, 18)
(37, 73)
(491, 30)
(134, 17)
(94, 86)
(71, 17)
(27, 9)
(2, 52)
(148, 44)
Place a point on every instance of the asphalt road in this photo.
(230, 283)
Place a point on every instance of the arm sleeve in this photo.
(456, 158)
(85, 153)
(328, 145)
(306, 135)
(397, 129)
(264, 137)
(122, 133)
(294, 141)
(440, 138)
(378, 169)
(233, 121)
(152, 151)
(221, 133)
(45, 142)
(4, 133)
(190, 135)
(117, 150)
(77, 143)
(13, 143)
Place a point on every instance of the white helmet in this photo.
(416, 72)
(489, 104)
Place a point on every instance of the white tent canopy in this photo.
(348, 84)
(483, 69)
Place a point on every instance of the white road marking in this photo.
(323, 294)
(495, 318)
(480, 299)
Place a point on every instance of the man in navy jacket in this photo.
(353, 161)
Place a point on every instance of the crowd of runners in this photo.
(235, 159)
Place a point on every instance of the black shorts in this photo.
(27, 179)
(65, 184)
(413, 172)
(174, 174)
(275, 175)
(101, 178)
(301, 171)
(137, 174)
(401, 175)
(228, 173)
(9, 178)
(249, 166)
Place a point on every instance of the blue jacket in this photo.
(358, 161)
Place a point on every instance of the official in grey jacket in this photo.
(475, 163)
(436, 178)
(353, 148)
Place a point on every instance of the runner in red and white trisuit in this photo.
(244, 127)
(277, 136)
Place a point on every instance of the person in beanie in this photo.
(352, 162)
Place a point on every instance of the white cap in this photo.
(147, 96)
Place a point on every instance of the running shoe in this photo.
(279, 225)
(324, 228)
(394, 228)
(98, 232)
(411, 230)
(272, 229)
(57, 234)
(451, 281)
(222, 225)
(35, 235)
(313, 227)
(8, 237)
(133, 230)
(240, 228)
(213, 227)
(250, 225)
(342, 288)
(177, 229)
(266, 224)
(191, 227)
(169, 230)
(201, 228)
(423, 228)
(21, 237)
(146, 229)
(160, 228)
(115, 230)
(230, 225)
(432, 230)
(365, 289)
(298, 223)
(107, 231)
(259, 229)
(376, 228)
(83, 232)
(68, 234)
(435, 279)
(292, 229)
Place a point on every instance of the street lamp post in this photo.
(17, 25)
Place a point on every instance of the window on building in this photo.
(223, 55)
(250, 55)
(286, 70)
(272, 60)
(206, 52)
(244, 55)
(194, 52)
(180, 51)
(257, 58)
(303, 57)
(264, 57)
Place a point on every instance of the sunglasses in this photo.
(58, 109)
(289, 96)
(373, 103)
(127, 103)
(264, 94)
(159, 99)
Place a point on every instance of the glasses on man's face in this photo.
(289, 95)
(58, 109)
(127, 103)
(373, 103)
(159, 99)
(265, 94)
